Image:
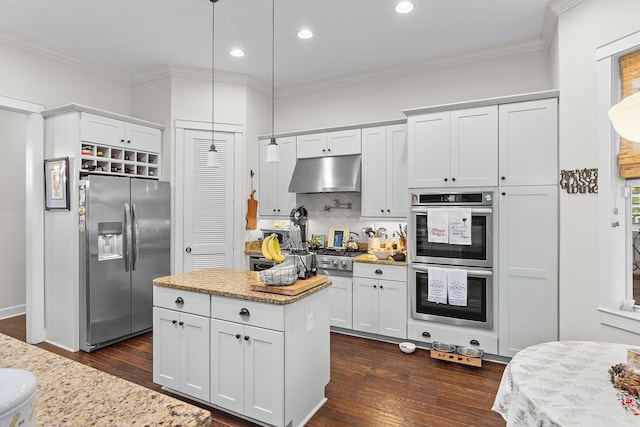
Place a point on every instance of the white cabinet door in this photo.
(101, 130)
(274, 197)
(264, 375)
(166, 354)
(287, 149)
(474, 147)
(528, 274)
(227, 365)
(392, 308)
(341, 300)
(428, 142)
(529, 143)
(194, 355)
(142, 138)
(397, 194)
(374, 171)
(343, 142)
(313, 145)
(384, 171)
(365, 305)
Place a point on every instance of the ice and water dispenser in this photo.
(109, 240)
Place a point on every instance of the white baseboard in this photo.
(17, 310)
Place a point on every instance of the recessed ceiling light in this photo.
(404, 7)
(238, 53)
(305, 34)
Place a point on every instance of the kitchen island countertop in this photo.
(234, 284)
(70, 393)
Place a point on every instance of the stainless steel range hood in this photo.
(326, 175)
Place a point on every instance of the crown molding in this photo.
(527, 46)
(54, 55)
(561, 6)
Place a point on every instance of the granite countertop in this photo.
(372, 259)
(70, 393)
(234, 284)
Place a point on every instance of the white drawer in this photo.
(185, 301)
(380, 271)
(456, 335)
(261, 315)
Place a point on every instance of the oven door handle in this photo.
(478, 273)
(423, 209)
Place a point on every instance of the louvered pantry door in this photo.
(208, 202)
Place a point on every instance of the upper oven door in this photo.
(478, 254)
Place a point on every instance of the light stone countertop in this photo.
(72, 394)
(234, 284)
(372, 259)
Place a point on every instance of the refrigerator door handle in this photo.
(127, 236)
(136, 237)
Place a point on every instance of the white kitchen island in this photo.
(258, 355)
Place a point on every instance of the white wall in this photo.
(385, 99)
(42, 77)
(580, 31)
(12, 214)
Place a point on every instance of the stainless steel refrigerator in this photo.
(125, 229)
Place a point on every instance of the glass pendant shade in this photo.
(273, 155)
(213, 157)
(625, 117)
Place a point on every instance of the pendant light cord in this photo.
(273, 49)
(213, 85)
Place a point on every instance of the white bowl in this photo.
(407, 347)
(383, 255)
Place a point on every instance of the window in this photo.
(619, 188)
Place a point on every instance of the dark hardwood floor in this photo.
(372, 383)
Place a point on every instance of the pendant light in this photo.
(272, 149)
(213, 157)
(625, 117)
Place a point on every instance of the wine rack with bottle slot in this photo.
(108, 160)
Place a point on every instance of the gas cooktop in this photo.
(339, 252)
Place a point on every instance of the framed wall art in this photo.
(337, 237)
(56, 183)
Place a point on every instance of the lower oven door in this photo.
(259, 264)
(478, 311)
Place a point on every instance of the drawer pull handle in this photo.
(238, 336)
(244, 312)
(179, 300)
(378, 271)
(474, 342)
(426, 334)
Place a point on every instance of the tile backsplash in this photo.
(323, 214)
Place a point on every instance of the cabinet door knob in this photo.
(453, 179)
(324, 151)
(504, 194)
(503, 178)
(328, 149)
(128, 141)
(181, 323)
(474, 342)
(446, 179)
(244, 312)
(375, 287)
(238, 336)
(246, 337)
(174, 321)
(382, 210)
(122, 140)
(179, 300)
(381, 287)
(188, 249)
(388, 210)
(426, 334)
(378, 271)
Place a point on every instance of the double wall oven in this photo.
(475, 257)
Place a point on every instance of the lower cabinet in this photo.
(247, 370)
(429, 332)
(380, 299)
(341, 300)
(181, 352)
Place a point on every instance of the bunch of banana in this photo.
(271, 249)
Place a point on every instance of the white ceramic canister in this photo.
(374, 243)
(17, 398)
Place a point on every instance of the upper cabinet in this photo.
(528, 143)
(338, 143)
(384, 171)
(456, 148)
(274, 195)
(117, 133)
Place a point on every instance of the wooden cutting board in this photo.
(252, 211)
(299, 286)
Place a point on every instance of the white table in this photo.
(563, 383)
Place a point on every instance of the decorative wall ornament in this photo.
(579, 180)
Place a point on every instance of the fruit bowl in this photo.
(382, 254)
(407, 347)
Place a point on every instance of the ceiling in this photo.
(351, 36)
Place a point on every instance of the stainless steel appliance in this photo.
(478, 254)
(479, 309)
(299, 248)
(125, 228)
(327, 174)
(282, 235)
(258, 263)
(476, 259)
